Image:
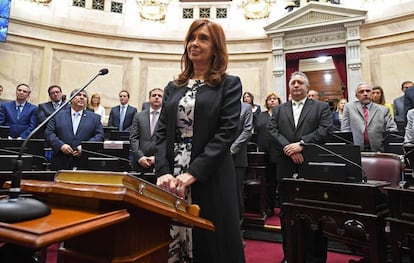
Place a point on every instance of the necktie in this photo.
(154, 120)
(122, 118)
(75, 121)
(55, 105)
(19, 110)
(366, 138)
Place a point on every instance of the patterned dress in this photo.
(180, 249)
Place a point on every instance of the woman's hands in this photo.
(176, 185)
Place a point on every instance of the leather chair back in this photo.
(383, 166)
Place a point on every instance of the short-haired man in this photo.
(121, 116)
(1, 94)
(47, 108)
(292, 123)
(367, 120)
(69, 128)
(20, 115)
(313, 94)
(398, 103)
(142, 135)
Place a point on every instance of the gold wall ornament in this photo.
(154, 10)
(256, 9)
(44, 2)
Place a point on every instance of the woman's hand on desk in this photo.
(176, 185)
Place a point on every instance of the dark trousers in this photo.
(240, 175)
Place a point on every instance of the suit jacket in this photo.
(3, 101)
(23, 126)
(398, 105)
(142, 142)
(59, 131)
(216, 118)
(379, 121)
(114, 117)
(244, 132)
(264, 140)
(408, 101)
(314, 121)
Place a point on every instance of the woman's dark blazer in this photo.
(216, 118)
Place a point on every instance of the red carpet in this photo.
(271, 252)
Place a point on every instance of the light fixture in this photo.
(290, 5)
(257, 9)
(322, 59)
(154, 10)
(45, 2)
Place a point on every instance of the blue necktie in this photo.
(122, 118)
(75, 121)
(19, 110)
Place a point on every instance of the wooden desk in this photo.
(401, 219)
(255, 190)
(103, 217)
(351, 213)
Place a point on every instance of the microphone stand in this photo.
(16, 208)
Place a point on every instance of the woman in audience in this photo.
(95, 105)
(249, 99)
(378, 97)
(198, 123)
(264, 144)
(338, 114)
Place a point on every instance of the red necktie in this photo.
(366, 138)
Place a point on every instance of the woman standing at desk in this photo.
(197, 125)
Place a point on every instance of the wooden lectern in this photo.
(103, 217)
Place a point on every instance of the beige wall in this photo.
(41, 54)
(387, 51)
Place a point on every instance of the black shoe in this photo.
(269, 212)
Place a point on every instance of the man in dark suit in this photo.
(408, 101)
(142, 136)
(47, 108)
(69, 128)
(19, 114)
(1, 93)
(398, 103)
(298, 121)
(121, 116)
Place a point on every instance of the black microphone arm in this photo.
(107, 156)
(29, 154)
(364, 174)
(15, 208)
(339, 137)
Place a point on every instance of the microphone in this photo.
(364, 174)
(16, 208)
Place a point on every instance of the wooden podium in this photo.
(103, 217)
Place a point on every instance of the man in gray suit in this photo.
(398, 104)
(142, 136)
(367, 120)
(239, 150)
